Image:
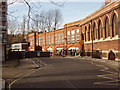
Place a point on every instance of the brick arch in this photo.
(107, 16)
(59, 47)
(73, 46)
(100, 29)
(94, 26)
(112, 14)
(95, 21)
(85, 32)
(107, 32)
(100, 19)
(114, 31)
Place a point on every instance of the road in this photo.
(69, 73)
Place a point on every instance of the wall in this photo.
(106, 38)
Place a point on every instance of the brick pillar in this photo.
(54, 49)
(45, 41)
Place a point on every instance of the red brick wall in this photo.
(104, 44)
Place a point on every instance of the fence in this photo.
(13, 55)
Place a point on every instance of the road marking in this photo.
(107, 76)
(70, 84)
(21, 78)
(34, 70)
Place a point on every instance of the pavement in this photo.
(13, 69)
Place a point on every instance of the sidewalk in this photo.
(111, 63)
(12, 68)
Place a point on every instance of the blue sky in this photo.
(71, 11)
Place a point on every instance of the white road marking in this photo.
(72, 86)
(107, 76)
(21, 78)
(34, 70)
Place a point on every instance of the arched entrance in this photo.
(73, 51)
(111, 55)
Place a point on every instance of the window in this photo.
(49, 39)
(41, 41)
(52, 39)
(73, 36)
(68, 36)
(94, 29)
(77, 35)
(55, 38)
(85, 33)
(114, 26)
(107, 28)
(58, 38)
(62, 34)
(89, 33)
(100, 32)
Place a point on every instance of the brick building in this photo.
(3, 29)
(97, 35)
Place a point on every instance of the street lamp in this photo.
(92, 37)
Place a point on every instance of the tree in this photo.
(47, 20)
(12, 26)
(57, 18)
(44, 22)
(23, 28)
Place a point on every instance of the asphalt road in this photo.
(69, 73)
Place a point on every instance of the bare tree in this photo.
(49, 21)
(12, 26)
(31, 11)
(23, 28)
(57, 18)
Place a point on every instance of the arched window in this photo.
(94, 30)
(107, 28)
(100, 33)
(114, 26)
(89, 33)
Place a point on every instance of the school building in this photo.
(97, 35)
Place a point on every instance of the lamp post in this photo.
(92, 37)
(54, 43)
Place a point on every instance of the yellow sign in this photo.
(81, 42)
